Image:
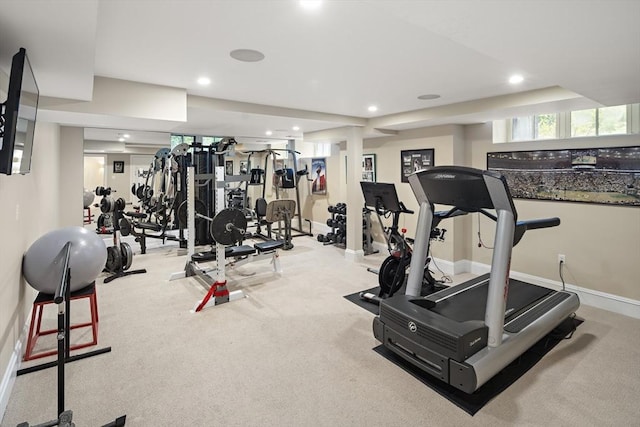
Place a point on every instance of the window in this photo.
(599, 121)
(612, 120)
(543, 126)
(592, 122)
(546, 126)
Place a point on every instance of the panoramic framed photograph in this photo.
(414, 160)
(609, 176)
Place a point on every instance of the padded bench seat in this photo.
(238, 251)
(269, 245)
(148, 226)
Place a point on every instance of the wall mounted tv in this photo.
(18, 120)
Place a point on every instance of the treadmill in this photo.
(466, 334)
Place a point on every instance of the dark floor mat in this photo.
(372, 307)
(472, 403)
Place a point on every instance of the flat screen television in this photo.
(18, 117)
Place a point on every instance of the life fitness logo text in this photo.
(413, 327)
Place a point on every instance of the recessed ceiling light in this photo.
(126, 135)
(373, 108)
(515, 79)
(247, 55)
(296, 128)
(310, 4)
(429, 96)
(204, 81)
(268, 133)
(121, 139)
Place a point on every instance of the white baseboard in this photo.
(593, 298)
(9, 377)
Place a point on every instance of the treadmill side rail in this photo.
(491, 360)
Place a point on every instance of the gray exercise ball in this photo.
(87, 198)
(87, 258)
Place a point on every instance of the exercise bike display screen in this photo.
(381, 196)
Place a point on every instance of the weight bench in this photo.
(129, 227)
(240, 251)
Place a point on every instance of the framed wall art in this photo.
(369, 167)
(414, 160)
(319, 176)
(118, 166)
(608, 176)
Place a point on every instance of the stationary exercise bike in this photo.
(383, 198)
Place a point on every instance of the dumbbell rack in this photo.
(338, 224)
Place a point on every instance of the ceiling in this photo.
(323, 68)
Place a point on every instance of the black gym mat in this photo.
(372, 307)
(472, 403)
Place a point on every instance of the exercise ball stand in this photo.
(62, 298)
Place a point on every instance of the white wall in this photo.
(29, 209)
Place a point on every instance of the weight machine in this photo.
(227, 227)
(286, 178)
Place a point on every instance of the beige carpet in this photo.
(296, 353)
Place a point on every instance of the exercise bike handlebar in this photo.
(403, 209)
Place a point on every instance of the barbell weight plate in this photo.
(125, 226)
(140, 192)
(106, 204)
(114, 259)
(120, 204)
(181, 213)
(126, 254)
(228, 235)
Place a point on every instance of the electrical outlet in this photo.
(561, 259)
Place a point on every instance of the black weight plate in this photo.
(125, 226)
(222, 232)
(120, 204)
(140, 192)
(389, 278)
(106, 205)
(114, 260)
(181, 213)
(126, 254)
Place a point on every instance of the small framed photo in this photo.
(118, 166)
(369, 167)
(228, 167)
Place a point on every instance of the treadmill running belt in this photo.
(471, 304)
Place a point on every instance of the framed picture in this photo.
(319, 175)
(118, 166)
(609, 176)
(228, 167)
(244, 168)
(414, 160)
(369, 167)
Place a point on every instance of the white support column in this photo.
(191, 216)
(355, 200)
